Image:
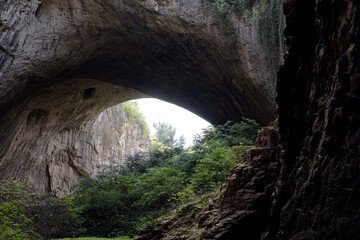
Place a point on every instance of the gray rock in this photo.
(63, 62)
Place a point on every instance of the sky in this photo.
(185, 122)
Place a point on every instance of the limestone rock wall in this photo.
(167, 49)
(63, 62)
(59, 124)
(90, 148)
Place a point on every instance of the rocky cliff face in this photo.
(318, 96)
(90, 148)
(58, 125)
(64, 62)
(307, 187)
(85, 150)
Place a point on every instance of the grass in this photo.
(94, 238)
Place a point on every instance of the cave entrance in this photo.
(101, 54)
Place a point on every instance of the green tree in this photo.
(134, 114)
(150, 184)
(165, 133)
(26, 215)
(106, 204)
(231, 134)
(210, 172)
(180, 142)
(13, 222)
(160, 155)
(15, 200)
(158, 186)
(55, 217)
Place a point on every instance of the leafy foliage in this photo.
(106, 204)
(13, 222)
(15, 198)
(135, 115)
(160, 155)
(56, 217)
(220, 149)
(210, 171)
(165, 133)
(231, 134)
(158, 186)
(123, 198)
(268, 17)
(25, 215)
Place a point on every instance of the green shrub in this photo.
(211, 171)
(134, 114)
(25, 215)
(15, 201)
(184, 196)
(13, 222)
(158, 185)
(106, 204)
(120, 200)
(231, 134)
(55, 217)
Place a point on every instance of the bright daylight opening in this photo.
(186, 123)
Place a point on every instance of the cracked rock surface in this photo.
(63, 62)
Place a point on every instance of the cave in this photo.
(64, 62)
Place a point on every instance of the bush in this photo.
(211, 171)
(25, 215)
(106, 204)
(121, 199)
(13, 222)
(158, 185)
(15, 200)
(160, 155)
(56, 217)
(231, 134)
(134, 114)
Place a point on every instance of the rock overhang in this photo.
(64, 62)
(173, 50)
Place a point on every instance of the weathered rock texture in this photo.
(319, 122)
(55, 136)
(90, 148)
(309, 187)
(242, 209)
(166, 49)
(63, 62)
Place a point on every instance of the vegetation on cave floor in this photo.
(122, 199)
(95, 238)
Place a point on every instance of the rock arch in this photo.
(64, 62)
